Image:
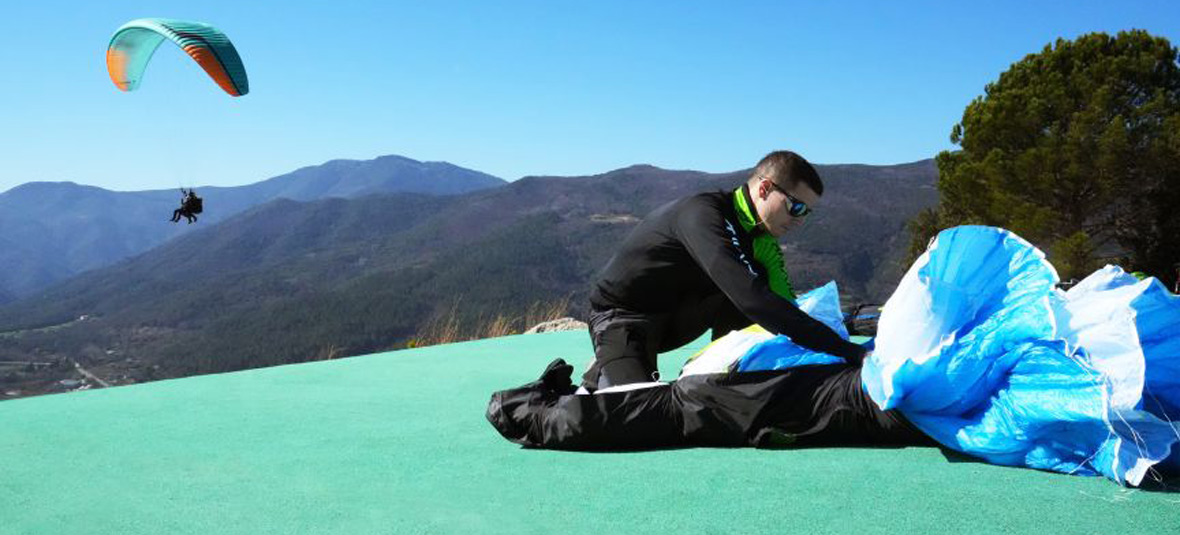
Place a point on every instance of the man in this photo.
(709, 261)
(190, 206)
(706, 261)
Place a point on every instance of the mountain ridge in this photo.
(54, 230)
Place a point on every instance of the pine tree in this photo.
(1077, 149)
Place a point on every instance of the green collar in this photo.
(766, 249)
(744, 204)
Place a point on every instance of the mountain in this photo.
(50, 231)
(289, 281)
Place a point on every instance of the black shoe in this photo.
(556, 378)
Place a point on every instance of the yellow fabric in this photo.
(755, 328)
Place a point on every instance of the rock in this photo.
(563, 324)
(614, 219)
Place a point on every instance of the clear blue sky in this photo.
(515, 88)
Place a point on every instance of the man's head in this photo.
(785, 188)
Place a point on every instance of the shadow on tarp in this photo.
(641, 449)
(616, 449)
(1167, 482)
(1164, 481)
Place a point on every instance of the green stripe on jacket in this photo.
(766, 249)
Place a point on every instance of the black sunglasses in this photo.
(798, 208)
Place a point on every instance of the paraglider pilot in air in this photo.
(707, 261)
(190, 206)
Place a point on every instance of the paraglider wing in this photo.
(134, 43)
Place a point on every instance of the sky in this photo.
(515, 88)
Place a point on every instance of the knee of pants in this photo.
(627, 353)
(624, 371)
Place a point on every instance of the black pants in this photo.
(626, 342)
(799, 407)
(177, 213)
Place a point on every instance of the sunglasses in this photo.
(798, 208)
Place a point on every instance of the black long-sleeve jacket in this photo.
(698, 246)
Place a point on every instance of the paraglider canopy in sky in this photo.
(134, 43)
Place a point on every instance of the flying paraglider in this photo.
(134, 43)
(190, 206)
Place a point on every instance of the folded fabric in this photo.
(754, 349)
(980, 350)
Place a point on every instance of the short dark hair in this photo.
(787, 169)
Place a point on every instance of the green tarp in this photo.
(397, 443)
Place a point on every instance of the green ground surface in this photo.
(397, 443)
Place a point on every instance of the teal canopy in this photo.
(134, 43)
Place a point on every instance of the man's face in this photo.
(775, 205)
